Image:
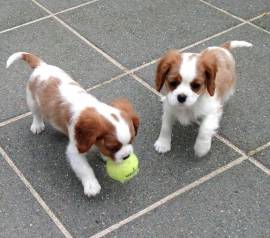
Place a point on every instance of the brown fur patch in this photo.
(167, 69)
(92, 128)
(88, 129)
(31, 59)
(52, 106)
(226, 45)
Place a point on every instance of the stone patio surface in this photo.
(111, 47)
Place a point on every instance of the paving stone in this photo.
(56, 46)
(20, 214)
(263, 22)
(234, 204)
(246, 9)
(245, 121)
(134, 31)
(59, 5)
(42, 159)
(264, 157)
(17, 12)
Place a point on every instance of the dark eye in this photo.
(113, 148)
(195, 86)
(173, 84)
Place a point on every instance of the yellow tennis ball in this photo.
(123, 171)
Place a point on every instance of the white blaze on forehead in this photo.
(121, 125)
(122, 129)
(188, 67)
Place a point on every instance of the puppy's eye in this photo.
(173, 84)
(114, 148)
(195, 86)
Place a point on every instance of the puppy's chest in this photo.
(184, 116)
(201, 109)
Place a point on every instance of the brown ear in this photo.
(125, 106)
(209, 67)
(88, 129)
(167, 62)
(210, 75)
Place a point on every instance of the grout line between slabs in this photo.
(35, 194)
(14, 119)
(49, 16)
(169, 197)
(259, 149)
(229, 144)
(259, 165)
(258, 27)
(76, 7)
(26, 24)
(223, 11)
(249, 22)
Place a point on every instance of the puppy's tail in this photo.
(235, 44)
(31, 59)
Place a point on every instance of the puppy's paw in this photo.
(37, 128)
(202, 147)
(91, 187)
(162, 145)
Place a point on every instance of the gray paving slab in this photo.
(134, 31)
(20, 214)
(59, 5)
(55, 45)
(17, 12)
(234, 204)
(245, 120)
(246, 9)
(264, 157)
(42, 159)
(263, 22)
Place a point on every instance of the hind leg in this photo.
(37, 124)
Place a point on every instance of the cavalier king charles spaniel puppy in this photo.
(198, 85)
(52, 95)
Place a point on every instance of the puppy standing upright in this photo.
(54, 96)
(198, 86)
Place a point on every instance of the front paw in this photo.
(202, 147)
(37, 128)
(162, 145)
(91, 187)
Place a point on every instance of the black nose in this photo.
(181, 98)
(125, 157)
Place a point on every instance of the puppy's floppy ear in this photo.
(167, 62)
(209, 67)
(88, 129)
(125, 106)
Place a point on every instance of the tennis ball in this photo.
(123, 171)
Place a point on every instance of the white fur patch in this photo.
(13, 58)
(236, 44)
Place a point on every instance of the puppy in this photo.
(198, 85)
(54, 96)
